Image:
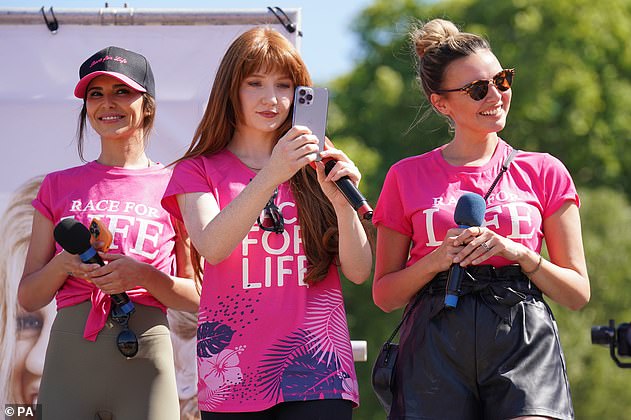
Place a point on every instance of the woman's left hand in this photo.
(121, 273)
(343, 167)
(482, 243)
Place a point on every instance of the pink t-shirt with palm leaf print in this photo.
(264, 336)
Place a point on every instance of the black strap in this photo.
(405, 316)
(504, 168)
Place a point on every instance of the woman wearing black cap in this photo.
(117, 360)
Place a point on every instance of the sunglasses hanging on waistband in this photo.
(126, 341)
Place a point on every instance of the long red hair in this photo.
(263, 49)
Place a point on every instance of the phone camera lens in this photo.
(301, 100)
(309, 97)
(302, 92)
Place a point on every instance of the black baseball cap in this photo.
(127, 66)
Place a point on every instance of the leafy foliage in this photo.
(212, 338)
(310, 377)
(292, 368)
(600, 389)
(326, 322)
(279, 358)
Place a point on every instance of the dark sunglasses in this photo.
(126, 341)
(478, 89)
(272, 216)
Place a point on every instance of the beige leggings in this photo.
(87, 380)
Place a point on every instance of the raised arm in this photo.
(355, 252)
(216, 232)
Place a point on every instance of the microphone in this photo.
(350, 191)
(469, 212)
(74, 237)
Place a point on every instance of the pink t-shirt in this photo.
(420, 193)
(263, 335)
(128, 202)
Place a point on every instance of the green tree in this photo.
(571, 98)
(599, 388)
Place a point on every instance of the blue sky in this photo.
(328, 46)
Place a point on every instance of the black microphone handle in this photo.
(350, 191)
(352, 194)
(93, 257)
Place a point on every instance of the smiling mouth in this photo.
(111, 118)
(493, 112)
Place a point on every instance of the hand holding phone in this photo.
(310, 110)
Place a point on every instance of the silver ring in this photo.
(70, 273)
(485, 246)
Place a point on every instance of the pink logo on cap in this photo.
(120, 59)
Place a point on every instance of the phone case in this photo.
(99, 232)
(310, 109)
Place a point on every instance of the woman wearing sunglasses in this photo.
(495, 354)
(116, 363)
(272, 336)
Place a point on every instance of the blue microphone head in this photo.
(470, 210)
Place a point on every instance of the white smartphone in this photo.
(310, 109)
